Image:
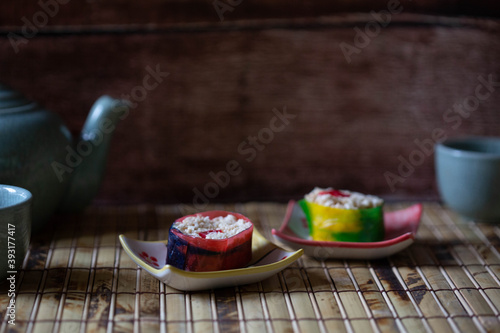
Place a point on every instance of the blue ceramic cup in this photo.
(468, 176)
(15, 229)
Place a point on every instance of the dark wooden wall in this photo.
(354, 121)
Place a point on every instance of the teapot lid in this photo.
(13, 101)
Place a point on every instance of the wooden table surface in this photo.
(77, 278)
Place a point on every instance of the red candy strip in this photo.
(334, 193)
(205, 233)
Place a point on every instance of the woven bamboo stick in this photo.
(412, 278)
(176, 327)
(96, 326)
(203, 327)
(59, 257)
(439, 325)
(282, 326)
(82, 258)
(459, 277)
(308, 325)
(422, 254)
(78, 280)
(309, 262)
(332, 263)
(125, 261)
(425, 234)
(229, 326)
(106, 257)
(101, 294)
(43, 327)
(255, 326)
(377, 305)
(168, 289)
(361, 326)
(293, 279)
(272, 284)
(465, 255)
(327, 305)
(302, 306)
(176, 307)
(31, 283)
(413, 325)
(352, 305)
(124, 307)
(201, 306)
(496, 270)
(150, 284)
(426, 302)
(482, 276)
(73, 306)
(494, 297)
(149, 305)
(252, 307)
(55, 280)
(37, 258)
(434, 277)
(487, 254)
(466, 324)
(364, 279)
(402, 304)
(124, 326)
(476, 302)
(489, 323)
(70, 326)
(387, 325)
(253, 287)
(335, 326)
(48, 306)
(127, 279)
(225, 303)
(451, 303)
(318, 279)
(341, 279)
(24, 304)
(276, 305)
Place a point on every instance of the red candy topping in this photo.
(205, 233)
(334, 193)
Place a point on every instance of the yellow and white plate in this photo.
(267, 260)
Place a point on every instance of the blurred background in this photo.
(239, 100)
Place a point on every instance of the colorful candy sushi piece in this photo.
(343, 216)
(210, 241)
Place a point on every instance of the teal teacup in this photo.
(15, 228)
(468, 176)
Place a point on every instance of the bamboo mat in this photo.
(77, 278)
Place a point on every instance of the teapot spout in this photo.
(90, 152)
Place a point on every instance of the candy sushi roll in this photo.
(343, 216)
(210, 241)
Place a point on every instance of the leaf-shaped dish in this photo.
(267, 260)
(400, 229)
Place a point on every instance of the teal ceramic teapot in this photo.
(38, 153)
